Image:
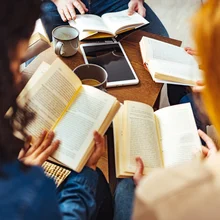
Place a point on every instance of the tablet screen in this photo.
(112, 59)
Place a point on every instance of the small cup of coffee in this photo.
(92, 75)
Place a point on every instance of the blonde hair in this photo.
(207, 39)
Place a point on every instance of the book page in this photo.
(117, 21)
(119, 145)
(159, 50)
(89, 22)
(141, 136)
(174, 72)
(39, 73)
(48, 98)
(178, 134)
(75, 130)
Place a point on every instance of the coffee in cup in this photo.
(65, 40)
(90, 82)
(92, 75)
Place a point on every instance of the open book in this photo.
(168, 63)
(74, 111)
(163, 138)
(108, 25)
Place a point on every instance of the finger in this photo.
(21, 153)
(97, 138)
(131, 8)
(209, 142)
(47, 152)
(38, 142)
(205, 151)
(99, 144)
(142, 11)
(190, 51)
(84, 7)
(198, 89)
(139, 170)
(67, 13)
(200, 83)
(26, 147)
(27, 143)
(79, 7)
(72, 11)
(47, 142)
(62, 15)
(140, 166)
(187, 48)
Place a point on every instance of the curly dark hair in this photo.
(17, 21)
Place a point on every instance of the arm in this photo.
(45, 205)
(77, 195)
(136, 6)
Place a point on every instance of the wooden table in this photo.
(147, 91)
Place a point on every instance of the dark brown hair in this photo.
(17, 21)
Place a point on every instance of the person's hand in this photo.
(136, 6)
(67, 8)
(139, 170)
(40, 150)
(211, 149)
(199, 84)
(199, 87)
(99, 149)
(190, 51)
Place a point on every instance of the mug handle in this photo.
(58, 48)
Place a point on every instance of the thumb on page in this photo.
(139, 170)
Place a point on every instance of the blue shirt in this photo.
(26, 193)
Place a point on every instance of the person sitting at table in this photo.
(25, 191)
(58, 12)
(190, 191)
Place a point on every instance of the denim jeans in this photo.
(51, 18)
(123, 199)
(85, 196)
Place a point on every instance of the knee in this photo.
(186, 99)
(48, 7)
(125, 186)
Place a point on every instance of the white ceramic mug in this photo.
(65, 40)
(92, 72)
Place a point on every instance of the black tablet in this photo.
(113, 59)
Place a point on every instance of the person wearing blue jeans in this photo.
(25, 191)
(57, 12)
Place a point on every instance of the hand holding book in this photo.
(169, 64)
(163, 138)
(136, 6)
(208, 151)
(199, 87)
(66, 8)
(38, 152)
(45, 145)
